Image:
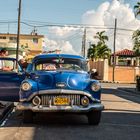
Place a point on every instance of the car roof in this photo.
(43, 56)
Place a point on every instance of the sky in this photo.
(93, 12)
(57, 11)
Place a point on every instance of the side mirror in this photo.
(27, 74)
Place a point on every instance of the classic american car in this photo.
(57, 83)
(10, 79)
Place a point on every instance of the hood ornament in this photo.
(60, 85)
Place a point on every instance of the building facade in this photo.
(30, 43)
(125, 71)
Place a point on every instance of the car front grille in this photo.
(48, 99)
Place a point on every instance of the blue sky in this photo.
(53, 11)
(71, 12)
(56, 11)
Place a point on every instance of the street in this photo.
(120, 120)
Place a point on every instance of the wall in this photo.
(123, 74)
(99, 66)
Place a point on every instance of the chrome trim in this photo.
(26, 82)
(39, 100)
(60, 91)
(73, 108)
(46, 97)
(60, 85)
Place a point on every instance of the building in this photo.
(124, 58)
(30, 43)
(126, 67)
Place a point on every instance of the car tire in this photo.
(27, 116)
(94, 117)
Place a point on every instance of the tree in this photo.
(102, 38)
(93, 52)
(99, 50)
(136, 41)
(137, 9)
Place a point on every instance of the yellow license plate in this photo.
(61, 101)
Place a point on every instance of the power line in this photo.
(47, 24)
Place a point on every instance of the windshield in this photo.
(53, 64)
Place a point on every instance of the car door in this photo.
(10, 81)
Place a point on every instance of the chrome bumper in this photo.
(28, 106)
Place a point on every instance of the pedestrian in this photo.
(23, 63)
(4, 53)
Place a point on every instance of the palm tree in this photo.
(92, 52)
(137, 9)
(136, 40)
(103, 51)
(99, 50)
(102, 38)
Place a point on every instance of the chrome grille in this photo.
(45, 99)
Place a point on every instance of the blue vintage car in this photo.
(10, 80)
(56, 83)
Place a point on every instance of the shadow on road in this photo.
(54, 119)
(118, 125)
(123, 94)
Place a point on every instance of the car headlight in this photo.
(25, 86)
(95, 86)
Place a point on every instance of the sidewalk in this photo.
(7, 106)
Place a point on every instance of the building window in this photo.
(2, 37)
(13, 39)
(35, 40)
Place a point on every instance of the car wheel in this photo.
(27, 116)
(94, 117)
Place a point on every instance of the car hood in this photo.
(63, 79)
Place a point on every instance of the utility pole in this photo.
(114, 50)
(18, 31)
(89, 44)
(84, 43)
(8, 27)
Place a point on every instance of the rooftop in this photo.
(125, 52)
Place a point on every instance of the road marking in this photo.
(7, 118)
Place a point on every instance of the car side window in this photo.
(9, 66)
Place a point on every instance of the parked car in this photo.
(59, 83)
(10, 79)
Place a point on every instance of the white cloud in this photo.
(61, 31)
(62, 38)
(105, 16)
(62, 45)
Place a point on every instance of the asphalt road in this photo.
(120, 121)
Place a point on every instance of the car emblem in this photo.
(60, 85)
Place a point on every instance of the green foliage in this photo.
(136, 41)
(137, 9)
(99, 50)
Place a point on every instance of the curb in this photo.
(109, 82)
(116, 82)
(5, 111)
